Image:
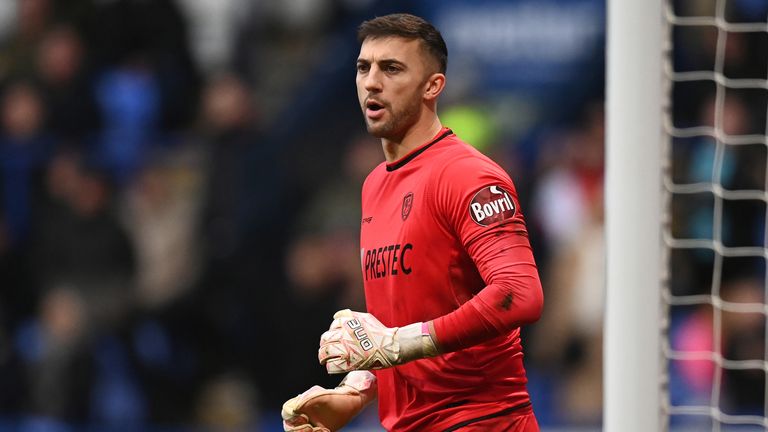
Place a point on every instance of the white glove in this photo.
(359, 341)
(328, 410)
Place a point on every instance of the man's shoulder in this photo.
(457, 157)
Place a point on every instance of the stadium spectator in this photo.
(322, 262)
(25, 148)
(161, 213)
(742, 338)
(245, 212)
(84, 267)
(64, 79)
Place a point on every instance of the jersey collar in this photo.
(418, 150)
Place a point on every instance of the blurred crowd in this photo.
(179, 212)
(158, 260)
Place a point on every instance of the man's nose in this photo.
(372, 80)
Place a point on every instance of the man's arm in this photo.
(498, 245)
(513, 297)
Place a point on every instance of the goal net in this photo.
(686, 212)
(714, 179)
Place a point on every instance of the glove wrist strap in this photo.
(415, 342)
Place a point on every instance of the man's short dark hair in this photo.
(410, 27)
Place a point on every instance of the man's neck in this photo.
(416, 136)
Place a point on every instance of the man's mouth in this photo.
(374, 105)
(374, 109)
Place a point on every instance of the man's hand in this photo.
(359, 341)
(327, 410)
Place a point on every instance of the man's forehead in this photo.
(389, 47)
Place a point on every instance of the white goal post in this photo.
(633, 207)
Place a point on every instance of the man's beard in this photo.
(395, 128)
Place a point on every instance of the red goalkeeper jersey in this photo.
(436, 224)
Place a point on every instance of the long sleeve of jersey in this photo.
(479, 204)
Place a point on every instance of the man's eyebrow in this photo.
(385, 61)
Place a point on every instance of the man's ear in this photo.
(434, 86)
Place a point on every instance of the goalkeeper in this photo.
(448, 271)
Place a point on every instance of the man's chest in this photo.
(394, 229)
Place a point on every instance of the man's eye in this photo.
(362, 68)
(392, 69)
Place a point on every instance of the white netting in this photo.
(716, 285)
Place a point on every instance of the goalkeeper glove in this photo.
(359, 341)
(327, 410)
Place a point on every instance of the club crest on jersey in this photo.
(491, 204)
(407, 205)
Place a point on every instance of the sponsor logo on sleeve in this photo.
(490, 205)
